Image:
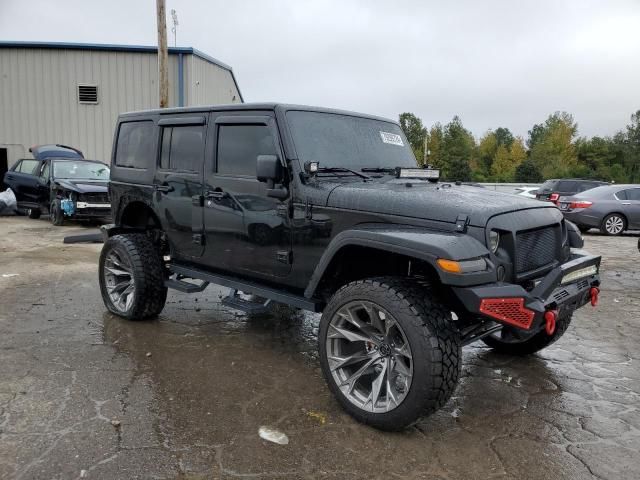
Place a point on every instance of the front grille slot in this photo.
(94, 197)
(536, 248)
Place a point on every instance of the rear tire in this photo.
(132, 275)
(584, 228)
(34, 213)
(613, 224)
(56, 214)
(531, 345)
(409, 320)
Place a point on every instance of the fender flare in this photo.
(419, 243)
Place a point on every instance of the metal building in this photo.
(72, 93)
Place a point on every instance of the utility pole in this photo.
(163, 55)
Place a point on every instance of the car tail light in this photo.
(573, 205)
(508, 310)
(554, 197)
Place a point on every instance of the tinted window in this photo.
(347, 141)
(182, 148)
(548, 185)
(567, 186)
(239, 147)
(135, 146)
(632, 194)
(27, 166)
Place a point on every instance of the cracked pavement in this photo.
(84, 394)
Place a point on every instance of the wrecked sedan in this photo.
(60, 182)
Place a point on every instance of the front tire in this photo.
(34, 213)
(613, 224)
(56, 214)
(132, 274)
(507, 340)
(389, 351)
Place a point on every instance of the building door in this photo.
(3, 167)
(246, 231)
(178, 183)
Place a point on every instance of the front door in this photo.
(247, 232)
(178, 183)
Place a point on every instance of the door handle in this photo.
(10, 177)
(626, 203)
(164, 188)
(216, 194)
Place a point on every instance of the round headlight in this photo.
(494, 241)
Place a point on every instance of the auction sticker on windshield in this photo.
(392, 138)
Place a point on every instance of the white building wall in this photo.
(39, 104)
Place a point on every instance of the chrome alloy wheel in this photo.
(118, 279)
(614, 225)
(369, 356)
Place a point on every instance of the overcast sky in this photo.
(493, 63)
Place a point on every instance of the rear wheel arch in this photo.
(138, 215)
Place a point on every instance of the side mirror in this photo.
(269, 170)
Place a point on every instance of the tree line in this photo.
(552, 149)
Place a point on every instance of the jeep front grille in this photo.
(536, 248)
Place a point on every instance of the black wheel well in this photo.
(139, 215)
(355, 262)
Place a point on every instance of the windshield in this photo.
(336, 140)
(80, 170)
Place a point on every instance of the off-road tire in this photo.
(34, 213)
(434, 342)
(603, 225)
(56, 214)
(533, 344)
(148, 274)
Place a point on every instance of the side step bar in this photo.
(245, 286)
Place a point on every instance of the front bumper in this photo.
(549, 293)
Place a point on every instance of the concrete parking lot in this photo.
(84, 394)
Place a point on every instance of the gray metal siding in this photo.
(38, 95)
(208, 84)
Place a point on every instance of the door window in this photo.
(27, 166)
(182, 148)
(239, 147)
(44, 173)
(633, 194)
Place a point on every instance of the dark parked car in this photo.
(405, 270)
(59, 181)
(552, 190)
(613, 209)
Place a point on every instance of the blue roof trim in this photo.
(106, 47)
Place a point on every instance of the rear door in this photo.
(631, 206)
(22, 180)
(246, 231)
(178, 182)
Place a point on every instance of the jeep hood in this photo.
(83, 186)
(440, 202)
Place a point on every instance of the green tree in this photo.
(415, 132)
(527, 172)
(553, 151)
(435, 140)
(506, 161)
(504, 137)
(487, 148)
(457, 151)
(632, 152)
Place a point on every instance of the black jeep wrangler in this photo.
(327, 211)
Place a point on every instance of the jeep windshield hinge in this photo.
(461, 223)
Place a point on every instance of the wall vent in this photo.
(88, 94)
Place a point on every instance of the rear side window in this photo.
(548, 185)
(135, 145)
(239, 147)
(565, 186)
(27, 166)
(182, 148)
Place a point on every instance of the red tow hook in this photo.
(550, 317)
(593, 293)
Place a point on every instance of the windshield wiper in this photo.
(342, 170)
